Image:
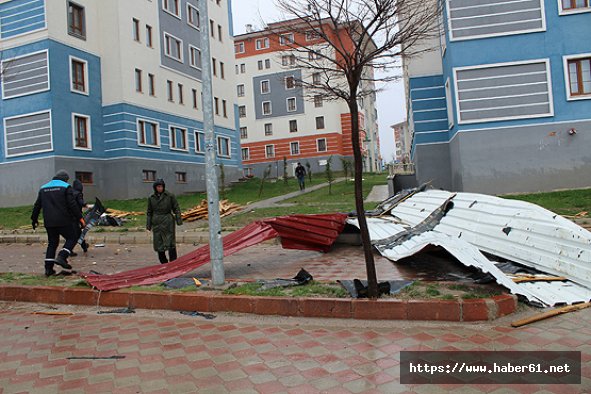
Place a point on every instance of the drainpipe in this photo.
(216, 249)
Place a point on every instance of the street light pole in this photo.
(216, 248)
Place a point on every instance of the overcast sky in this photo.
(390, 101)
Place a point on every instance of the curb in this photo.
(461, 310)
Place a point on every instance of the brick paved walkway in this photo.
(168, 352)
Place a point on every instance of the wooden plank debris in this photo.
(200, 211)
(553, 312)
(122, 214)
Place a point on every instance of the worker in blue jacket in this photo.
(60, 209)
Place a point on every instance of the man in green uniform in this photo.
(163, 211)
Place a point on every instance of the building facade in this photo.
(402, 140)
(111, 92)
(503, 103)
(280, 119)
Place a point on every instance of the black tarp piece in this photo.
(179, 283)
(301, 278)
(207, 316)
(358, 288)
(92, 218)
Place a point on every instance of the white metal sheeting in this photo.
(515, 230)
(380, 228)
(554, 293)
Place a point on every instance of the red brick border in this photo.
(461, 310)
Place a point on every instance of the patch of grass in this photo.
(37, 280)
(432, 291)
(565, 202)
(448, 297)
(318, 289)
(254, 289)
(459, 287)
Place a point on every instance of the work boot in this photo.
(172, 256)
(62, 259)
(84, 246)
(49, 271)
(162, 257)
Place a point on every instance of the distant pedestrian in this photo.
(300, 173)
(78, 190)
(163, 211)
(56, 199)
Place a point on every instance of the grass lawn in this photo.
(566, 202)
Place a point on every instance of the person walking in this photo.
(56, 199)
(78, 191)
(163, 211)
(300, 173)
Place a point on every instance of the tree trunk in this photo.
(358, 164)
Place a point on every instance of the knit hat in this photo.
(62, 175)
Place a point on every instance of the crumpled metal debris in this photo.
(393, 287)
(301, 278)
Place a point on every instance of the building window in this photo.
(211, 28)
(291, 104)
(136, 30)
(245, 154)
(242, 68)
(316, 78)
(579, 77)
(268, 129)
(178, 138)
(192, 16)
(214, 67)
(269, 151)
(569, 5)
(173, 47)
(148, 176)
(288, 60)
(450, 107)
(172, 7)
(262, 43)
(181, 177)
(289, 82)
(312, 35)
(320, 122)
(216, 102)
(81, 132)
(169, 91)
(240, 90)
(194, 91)
(239, 47)
(260, 64)
(318, 102)
(313, 55)
(267, 63)
(151, 86)
(294, 147)
(222, 71)
(78, 70)
(76, 20)
(243, 133)
(265, 87)
(224, 109)
(321, 145)
(223, 147)
(286, 39)
(199, 142)
(138, 80)
(149, 42)
(220, 33)
(293, 126)
(181, 97)
(195, 57)
(84, 177)
(242, 111)
(148, 133)
(267, 108)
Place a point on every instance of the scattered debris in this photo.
(99, 245)
(120, 310)
(521, 278)
(53, 313)
(301, 278)
(179, 283)
(200, 211)
(577, 216)
(122, 214)
(207, 316)
(554, 312)
(392, 287)
(116, 357)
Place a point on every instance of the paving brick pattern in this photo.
(166, 353)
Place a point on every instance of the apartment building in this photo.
(111, 91)
(503, 104)
(280, 118)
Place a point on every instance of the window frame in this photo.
(149, 37)
(566, 60)
(291, 146)
(239, 47)
(148, 179)
(84, 63)
(247, 151)
(201, 150)
(295, 104)
(82, 177)
(295, 121)
(166, 47)
(282, 40)
(318, 101)
(136, 29)
(270, 132)
(75, 132)
(267, 156)
(323, 122)
(240, 92)
(266, 44)
(293, 82)
(198, 25)
(268, 83)
(243, 135)
(151, 85)
(172, 138)
(218, 146)
(241, 114)
(157, 132)
(180, 177)
(572, 11)
(193, 49)
(73, 29)
(318, 145)
(138, 76)
(263, 108)
(178, 8)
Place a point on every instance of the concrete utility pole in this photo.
(216, 248)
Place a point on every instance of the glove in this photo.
(82, 223)
(34, 223)
(179, 222)
(149, 228)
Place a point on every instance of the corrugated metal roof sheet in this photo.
(516, 230)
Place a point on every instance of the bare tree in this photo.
(342, 42)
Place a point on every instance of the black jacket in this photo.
(78, 194)
(300, 171)
(59, 206)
